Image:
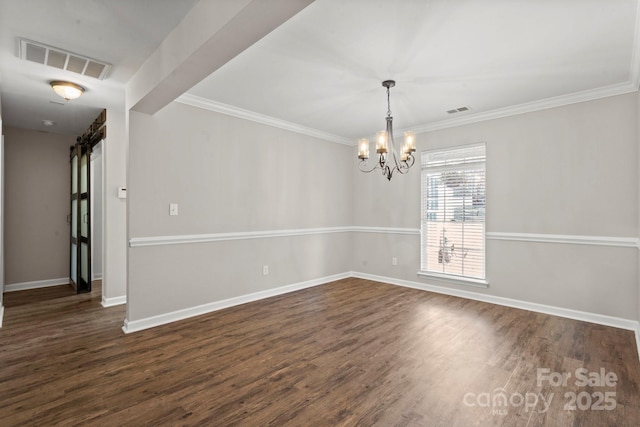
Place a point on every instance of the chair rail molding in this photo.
(572, 239)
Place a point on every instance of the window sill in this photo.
(459, 280)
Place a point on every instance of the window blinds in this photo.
(453, 211)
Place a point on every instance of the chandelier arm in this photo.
(364, 163)
(413, 160)
(392, 144)
(404, 168)
(406, 164)
(396, 164)
(387, 172)
(382, 159)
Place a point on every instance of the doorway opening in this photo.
(86, 206)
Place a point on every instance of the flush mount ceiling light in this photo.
(389, 160)
(67, 90)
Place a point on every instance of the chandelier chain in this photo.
(388, 103)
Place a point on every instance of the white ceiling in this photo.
(324, 67)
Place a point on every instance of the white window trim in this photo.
(459, 280)
(452, 278)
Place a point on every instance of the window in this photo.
(453, 213)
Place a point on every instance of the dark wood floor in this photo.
(348, 353)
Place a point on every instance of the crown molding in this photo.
(230, 110)
(633, 85)
(528, 107)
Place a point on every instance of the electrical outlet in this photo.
(173, 209)
(265, 270)
(394, 261)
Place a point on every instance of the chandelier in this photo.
(389, 160)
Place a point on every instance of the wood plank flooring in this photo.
(348, 353)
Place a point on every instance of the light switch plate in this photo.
(173, 209)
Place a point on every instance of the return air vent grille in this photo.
(458, 110)
(63, 60)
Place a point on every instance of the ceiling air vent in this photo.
(62, 59)
(458, 110)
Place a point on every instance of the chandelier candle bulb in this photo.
(405, 152)
(381, 144)
(410, 141)
(363, 150)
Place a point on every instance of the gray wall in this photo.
(114, 152)
(563, 171)
(36, 239)
(230, 175)
(1, 221)
(570, 170)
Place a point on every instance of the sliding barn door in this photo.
(80, 265)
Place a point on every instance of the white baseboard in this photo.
(36, 284)
(162, 319)
(601, 319)
(113, 301)
(1, 314)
